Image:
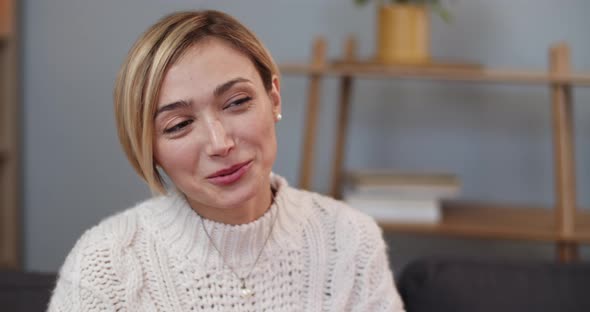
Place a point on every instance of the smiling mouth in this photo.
(228, 171)
(231, 175)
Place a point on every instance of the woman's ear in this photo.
(275, 97)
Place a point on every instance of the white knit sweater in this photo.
(322, 256)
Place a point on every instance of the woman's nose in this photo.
(218, 143)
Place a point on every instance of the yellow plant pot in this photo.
(403, 34)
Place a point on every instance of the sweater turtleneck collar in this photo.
(180, 228)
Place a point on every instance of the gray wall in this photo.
(497, 138)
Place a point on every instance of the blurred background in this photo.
(496, 138)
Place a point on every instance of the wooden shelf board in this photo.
(4, 152)
(452, 72)
(470, 219)
(582, 227)
(6, 38)
(430, 65)
(9, 264)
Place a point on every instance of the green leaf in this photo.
(444, 14)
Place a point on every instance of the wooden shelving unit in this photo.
(9, 149)
(485, 220)
(564, 224)
(437, 72)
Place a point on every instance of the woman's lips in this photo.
(230, 175)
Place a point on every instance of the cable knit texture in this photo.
(322, 256)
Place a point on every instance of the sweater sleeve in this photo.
(69, 295)
(374, 285)
(100, 273)
(74, 290)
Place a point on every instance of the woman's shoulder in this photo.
(343, 228)
(103, 258)
(121, 226)
(341, 215)
(322, 211)
(112, 234)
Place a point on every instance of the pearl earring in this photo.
(279, 117)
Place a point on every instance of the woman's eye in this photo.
(239, 102)
(178, 126)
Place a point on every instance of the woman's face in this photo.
(215, 127)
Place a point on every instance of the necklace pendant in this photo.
(247, 293)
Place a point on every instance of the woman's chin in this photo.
(235, 198)
(224, 198)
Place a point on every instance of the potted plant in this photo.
(403, 30)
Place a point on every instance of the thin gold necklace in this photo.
(246, 292)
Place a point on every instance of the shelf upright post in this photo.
(564, 163)
(318, 63)
(339, 150)
(9, 162)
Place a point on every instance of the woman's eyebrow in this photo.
(172, 106)
(219, 90)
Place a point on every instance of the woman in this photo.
(197, 99)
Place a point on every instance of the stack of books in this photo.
(400, 197)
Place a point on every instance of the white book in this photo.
(415, 211)
(406, 191)
(404, 185)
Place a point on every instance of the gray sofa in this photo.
(24, 292)
(451, 285)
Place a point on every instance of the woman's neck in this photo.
(247, 212)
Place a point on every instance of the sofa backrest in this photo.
(449, 285)
(30, 292)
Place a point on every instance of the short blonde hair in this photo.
(140, 78)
